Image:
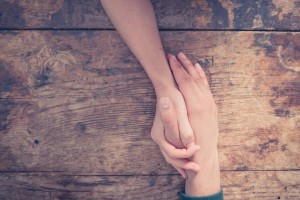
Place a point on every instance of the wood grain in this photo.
(79, 101)
(76, 108)
(174, 14)
(236, 185)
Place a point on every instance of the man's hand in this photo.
(202, 113)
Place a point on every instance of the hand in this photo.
(202, 113)
(174, 131)
(179, 131)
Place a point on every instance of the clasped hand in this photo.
(185, 125)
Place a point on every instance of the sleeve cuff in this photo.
(217, 196)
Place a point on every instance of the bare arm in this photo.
(136, 23)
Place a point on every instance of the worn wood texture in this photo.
(78, 101)
(236, 185)
(174, 14)
(76, 108)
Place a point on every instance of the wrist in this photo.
(163, 86)
(162, 78)
(206, 181)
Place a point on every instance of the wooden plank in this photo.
(79, 101)
(175, 14)
(237, 185)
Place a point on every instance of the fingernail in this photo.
(164, 102)
(172, 56)
(198, 65)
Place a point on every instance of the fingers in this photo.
(185, 164)
(159, 138)
(181, 172)
(187, 64)
(179, 72)
(193, 73)
(185, 82)
(181, 163)
(173, 152)
(201, 74)
(169, 118)
(185, 130)
(157, 134)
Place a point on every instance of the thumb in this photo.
(164, 103)
(169, 119)
(177, 126)
(167, 112)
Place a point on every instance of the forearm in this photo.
(207, 180)
(135, 21)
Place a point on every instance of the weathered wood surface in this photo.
(236, 185)
(76, 108)
(196, 14)
(78, 101)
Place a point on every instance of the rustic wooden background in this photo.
(76, 108)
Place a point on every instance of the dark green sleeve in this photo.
(217, 196)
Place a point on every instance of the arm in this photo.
(135, 21)
(202, 112)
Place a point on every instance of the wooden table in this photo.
(76, 107)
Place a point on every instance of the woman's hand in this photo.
(172, 131)
(179, 132)
(136, 23)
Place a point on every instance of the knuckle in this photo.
(204, 107)
(171, 154)
(187, 137)
(198, 80)
(167, 119)
(188, 79)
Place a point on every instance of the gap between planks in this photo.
(161, 29)
(91, 174)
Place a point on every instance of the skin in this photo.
(135, 21)
(203, 116)
(185, 120)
